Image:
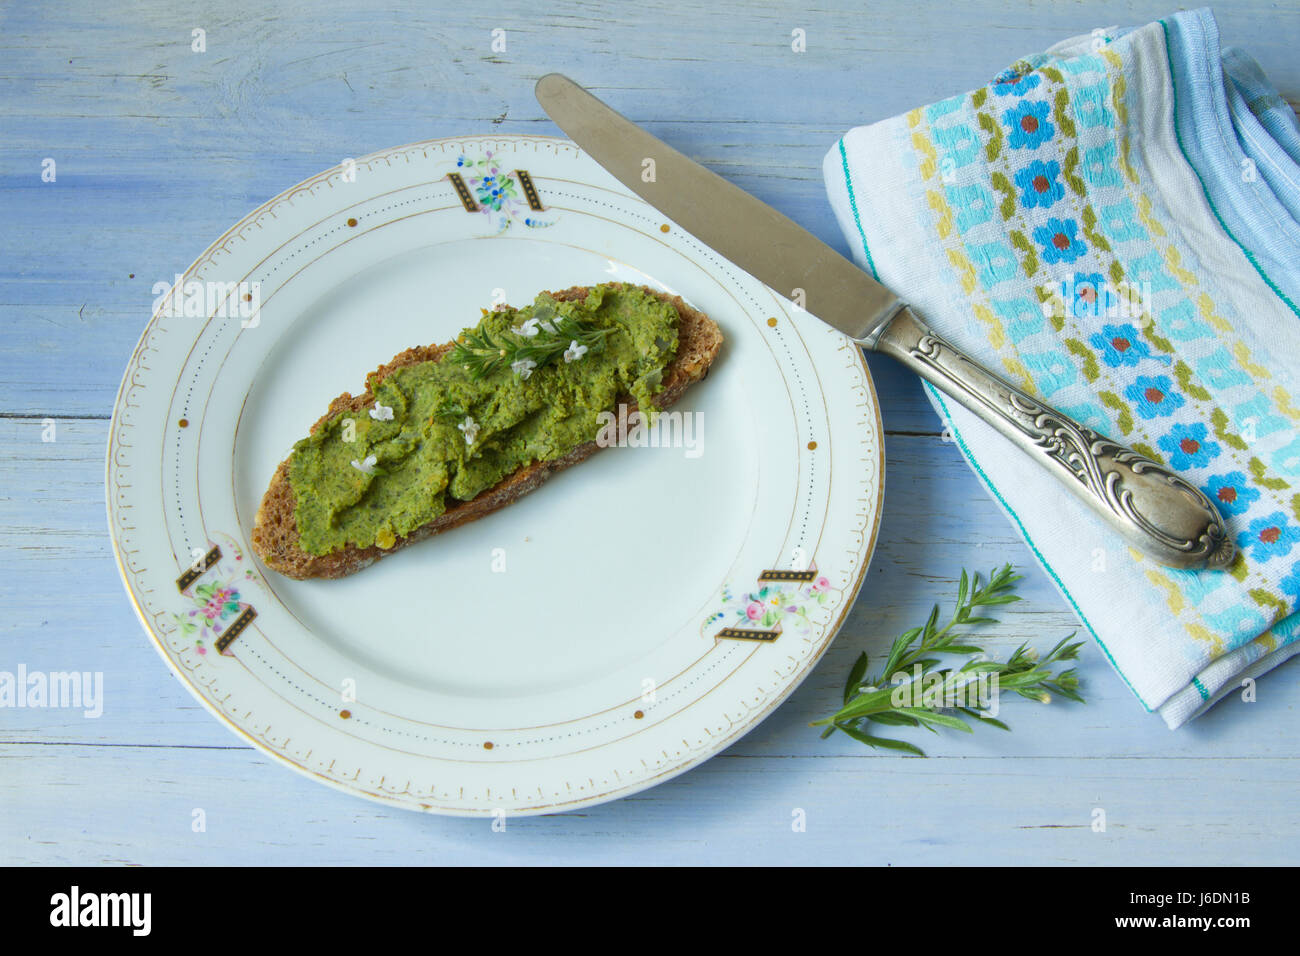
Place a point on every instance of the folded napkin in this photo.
(1114, 225)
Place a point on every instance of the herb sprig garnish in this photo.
(552, 333)
(913, 690)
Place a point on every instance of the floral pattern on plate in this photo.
(498, 193)
(215, 600)
(774, 604)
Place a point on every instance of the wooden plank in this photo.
(734, 809)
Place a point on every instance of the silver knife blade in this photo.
(743, 229)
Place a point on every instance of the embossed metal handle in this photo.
(1156, 510)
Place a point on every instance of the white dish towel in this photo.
(1113, 226)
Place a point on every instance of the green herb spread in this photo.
(461, 424)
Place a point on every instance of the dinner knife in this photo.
(1153, 508)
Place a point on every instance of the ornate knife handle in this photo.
(1154, 509)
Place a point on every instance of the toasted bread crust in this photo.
(275, 530)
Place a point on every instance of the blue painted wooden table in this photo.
(158, 148)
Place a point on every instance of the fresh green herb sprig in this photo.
(913, 690)
(482, 354)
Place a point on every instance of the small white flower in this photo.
(543, 313)
(382, 413)
(469, 428)
(366, 467)
(574, 351)
(528, 329)
(523, 368)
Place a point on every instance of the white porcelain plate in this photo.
(630, 618)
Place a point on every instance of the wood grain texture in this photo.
(160, 149)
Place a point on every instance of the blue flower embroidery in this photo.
(1119, 345)
(1291, 583)
(1060, 241)
(1269, 537)
(1009, 81)
(1188, 448)
(1028, 123)
(1040, 184)
(1155, 396)
(1231, 493)
(1088, 294)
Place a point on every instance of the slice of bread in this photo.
(275, 530)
